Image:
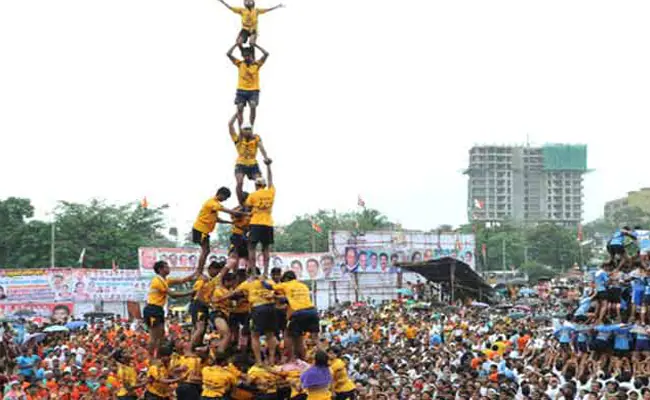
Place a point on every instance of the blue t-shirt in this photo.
(585, 303)
(617, 239)
(26, 364)
(638, 282)
(601, 280)
(647, 285)
(604, 332)
(622, 339)
(564, 334)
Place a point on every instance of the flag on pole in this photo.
(144, 203)
(115, 266)
(484, 252)
(82, 257)
(579, 232)
(478, 204)
(316, 227)
(360, 202)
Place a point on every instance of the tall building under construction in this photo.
(526, 184)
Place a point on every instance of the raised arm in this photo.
(231, 129)
(226, 4)
(265, 54)
(269, 175)
(232, 58)
(273, 8)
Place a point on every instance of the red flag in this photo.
(144, 203)
(115, 266)
(360, 202)
(316, 227)
(579, 232)
(484, 250)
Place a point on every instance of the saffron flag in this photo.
(316, 227)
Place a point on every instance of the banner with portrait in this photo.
(71, 284)
(379, 251)
(55, 311)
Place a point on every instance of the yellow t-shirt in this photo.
(261, 202)
(249, 75)
(319, 394)
(341, 383)
(217, 381)
(265, 381)
(207, 219)
(246, 150)
(293, 377)
(240, 306)
(240, 224)
(218, 292)
(193, 364)
(127, 377)
(158, 290)
(257, 294)
(196, 288)
(411, 332)
(297, 294)
(155, 374)
(205, 289)
(248, 17)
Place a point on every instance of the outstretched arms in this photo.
(272, 8)
(226, 4)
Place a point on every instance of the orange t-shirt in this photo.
(103, 393)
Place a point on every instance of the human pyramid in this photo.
(237, 306)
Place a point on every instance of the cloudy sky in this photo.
(122, 99)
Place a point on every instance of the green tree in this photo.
(14, 213)
(555, 246)
(108, 232)
(537, 271)
(630, 216)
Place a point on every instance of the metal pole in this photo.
(526, 255)
(52, 244)
(452, 278)
(503, 253)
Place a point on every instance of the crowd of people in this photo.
(401, 349)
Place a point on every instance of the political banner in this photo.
(379, 251)
(307, 266)
(71, 284)
(57, 312)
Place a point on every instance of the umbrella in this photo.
(517, 315)
(55, 328)
(405, 292)
(74, 325)
(479, 304)
(38, 337)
